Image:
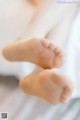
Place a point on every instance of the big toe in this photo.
(59, 58)
(67, 92)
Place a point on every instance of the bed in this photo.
(24, 107)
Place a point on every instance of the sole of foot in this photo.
(52, 87)
(38, 51)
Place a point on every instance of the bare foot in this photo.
(39, 52)
(52, 87)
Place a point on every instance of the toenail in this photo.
(51, 47)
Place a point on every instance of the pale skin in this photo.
(50, 86)
(38, 51)
(35, 2)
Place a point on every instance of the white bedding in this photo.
(13, 17)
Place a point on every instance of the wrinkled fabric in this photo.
(12, 24)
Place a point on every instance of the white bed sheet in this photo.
(12, 24)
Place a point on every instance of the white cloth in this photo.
(13, 17)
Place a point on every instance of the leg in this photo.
(45, 18)
(52, 87)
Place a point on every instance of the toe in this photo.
(59, 58)
(56, 50)
(51, 46)
(59, 52)
(45, 43)
(64, 98)
(57, 62)
(67, 92)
